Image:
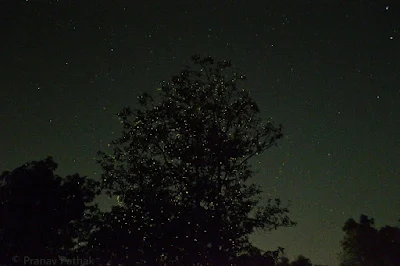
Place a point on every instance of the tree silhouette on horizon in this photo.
(301, 261)
(181, 173)
(42, 214)
(365, 245)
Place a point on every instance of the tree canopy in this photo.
(365, 245)
(181, 172)
(42, 214)
(301, 261)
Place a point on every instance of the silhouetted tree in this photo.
(283, 261)
(301, 261)
(42, 214)
(254, 257)
(180, 170)
(364, 245)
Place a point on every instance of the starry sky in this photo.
(328, 71)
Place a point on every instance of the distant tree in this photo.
(42, 214)
(181, 170)
(254, 257)
(274, 257)
(301, 261)
(283, 261)
(364, 245)
(360, 243)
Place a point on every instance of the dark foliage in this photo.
(254, 257)
(42, 214)
(301, 261)
(365, 245)
(181, 173)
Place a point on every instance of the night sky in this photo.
(328, 71)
